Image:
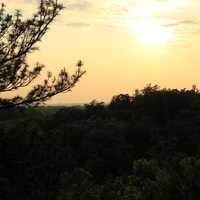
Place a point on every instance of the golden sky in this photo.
(124, 45)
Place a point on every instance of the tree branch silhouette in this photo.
(18, 38)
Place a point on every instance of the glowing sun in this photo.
(150, 32)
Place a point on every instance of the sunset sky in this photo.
(124, 45)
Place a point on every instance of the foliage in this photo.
(18, 38)
(146, 149)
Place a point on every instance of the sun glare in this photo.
(150, 32)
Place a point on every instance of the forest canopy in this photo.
(144, 146)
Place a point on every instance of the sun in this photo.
(150, 32)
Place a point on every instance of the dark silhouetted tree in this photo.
(18, 38)
(122, 101)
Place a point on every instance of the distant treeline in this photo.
(140, 147)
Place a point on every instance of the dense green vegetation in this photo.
(139, 147)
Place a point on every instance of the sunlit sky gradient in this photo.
(124, 44)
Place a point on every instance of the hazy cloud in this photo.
(182, 23)
(78, 24)
(80, 5)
